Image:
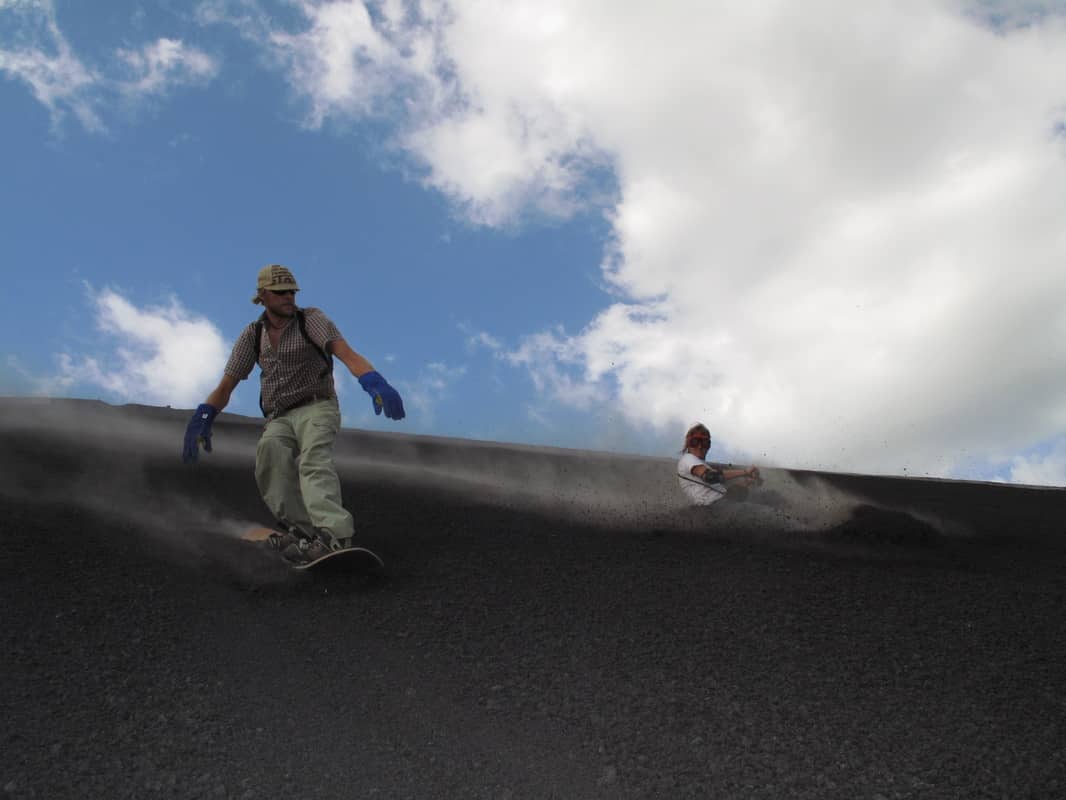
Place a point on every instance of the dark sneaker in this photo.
(329, 541)
(282, 541)
(316, 549)
(296, 552)
(290, 544)
(325, 543)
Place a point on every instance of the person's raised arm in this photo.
(749, 472)
(713, 475)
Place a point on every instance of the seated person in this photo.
(703, 482)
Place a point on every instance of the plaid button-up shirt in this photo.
(295, 371)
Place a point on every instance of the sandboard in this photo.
(356, 558)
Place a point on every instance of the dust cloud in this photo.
(125, 463)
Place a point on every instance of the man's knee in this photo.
(273, 454)
(316, 449)
(270, 447)
(316, 466)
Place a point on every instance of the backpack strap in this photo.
(257, 336)
(302, 323)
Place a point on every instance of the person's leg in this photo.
(277, 476)
(316, 426)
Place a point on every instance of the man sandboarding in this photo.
(704, 482)
(294, 466)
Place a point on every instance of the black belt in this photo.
(304, 401)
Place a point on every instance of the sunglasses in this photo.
(699, 441)
(282, 292)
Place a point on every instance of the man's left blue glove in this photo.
(198, 430)
(383, 395)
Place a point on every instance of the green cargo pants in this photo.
(295, 472)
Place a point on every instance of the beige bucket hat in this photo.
(275, 277)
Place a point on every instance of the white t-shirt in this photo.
(698, 492)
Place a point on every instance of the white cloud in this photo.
(57, 78)
(158, 354)
(476, 340)
(432, 385)
(34, 50)
(549, 357)
(341, 60)
(837, 229)
(1009, 15)
(30, 381)
(492, 155)
(1048, 469)
(158, 66)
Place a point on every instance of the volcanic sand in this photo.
(551, 624)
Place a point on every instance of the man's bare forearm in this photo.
(219, 397)
(730, 474)
(356, 363)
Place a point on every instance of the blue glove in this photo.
(198, 430)
(383, 395)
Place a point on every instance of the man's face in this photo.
(280, 302)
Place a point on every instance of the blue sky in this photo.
(835, 238)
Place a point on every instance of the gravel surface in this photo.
(914, 649)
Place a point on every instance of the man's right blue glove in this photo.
(198, 430)
(383, 395)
